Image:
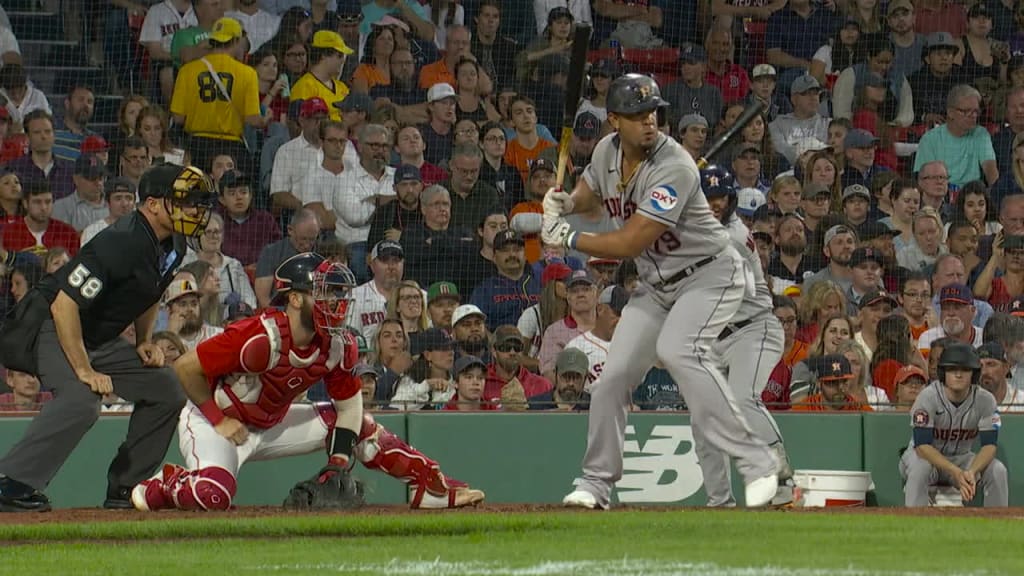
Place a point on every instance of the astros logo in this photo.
(664, 198)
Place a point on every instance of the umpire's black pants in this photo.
(60, 425)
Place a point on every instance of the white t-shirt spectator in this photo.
(162, 21)
(824, 55)
(350, 198)
(92, 230)
(369, 307)
(34, 100)
(259, 27)
(8, 43)
(204, 333)
(441, 30)
(529, 328)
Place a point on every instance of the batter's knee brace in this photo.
(209, 488)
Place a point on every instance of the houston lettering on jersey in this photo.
(614, 208)
(955, 434)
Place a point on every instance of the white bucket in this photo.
(828, 488)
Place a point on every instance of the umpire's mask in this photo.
(189, 203)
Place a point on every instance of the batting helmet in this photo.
(634, 94)
(328, 283)
(717, 182)
(959, 355)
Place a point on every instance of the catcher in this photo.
(241, 385)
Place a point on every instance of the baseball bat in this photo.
(729, 135)
(573, 93)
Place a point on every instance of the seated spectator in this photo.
(119, 194)
(909, 382)
(776, 393)
(38, 231)
(505, 296)
(866, 266)
(527, 144)
(11, 207)
(895, 350)
(85, 205)
(840, 52)
(370, 299)
(429, 379)
(581, 317)
(915, 295)
(55, 259)
(961, 144)
(693, 134)
(470, 381)
(438, 133)
(784, 196)
(327, 55)
(368, 377)
(690, 94)
(299, 156)
(594, 343)
(524, 217)
(471, 103)
(554, 39)
(470, 331)
(480, 265)
(949, 269)
(495, 171)
(302, 234)
(834, 331)
(860, 150)
(407, 303)
(24, 274)
(153, 128)
(962, 242)
(873, 307)
(356, 110)
(568, 392)
(553, 306)
(212, 308)
(21, 97)
(932, 83)
(1002, 279)
(229, 271)
(983, 57)
(835, 376)
(182, 300)
(856, 200)
(762, 90)
(472, 198)
(246, 228)
(789, 266)
(392, 219)
(375, 66)
(78, 110)
(442, 300)
(409, 99)
(972, 204)
(434, 244)
(861, 387)
(804, 121)
(722, 72)
(134, 159)
(815, 200)
(906, 201)
(25, 394)
(410, 146)
(392, 359)
(956, 314)
(875, 71)
(994, 371)
(927, 244)
(40, 164)
(509, 383)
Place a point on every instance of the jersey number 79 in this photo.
(210, 91)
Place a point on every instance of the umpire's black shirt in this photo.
(116, 277)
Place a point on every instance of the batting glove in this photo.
(558, 232)
(558, 202)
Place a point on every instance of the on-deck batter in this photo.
(692, 282)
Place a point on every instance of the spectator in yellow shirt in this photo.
(327, 53)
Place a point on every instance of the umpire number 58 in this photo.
(210, 91)
(83, 279)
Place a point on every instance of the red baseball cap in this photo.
(313, 106)
(555, 271)
(94, 144)
(4, 113)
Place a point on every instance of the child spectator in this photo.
(470, 376)
(25, 395)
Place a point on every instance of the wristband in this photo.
(212, 412)
(570, 241)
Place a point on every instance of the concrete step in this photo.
(51, 53)
(58, 79)
(36, 25)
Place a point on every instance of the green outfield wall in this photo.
(534, 457)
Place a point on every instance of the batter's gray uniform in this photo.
(747, 351)
(692, 281)
(954, 430)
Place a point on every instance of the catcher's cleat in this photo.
(151, 494)
(457, 494)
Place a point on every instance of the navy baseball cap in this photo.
(834, 367)
(876, 296)
(587, 126)
(956, 293)
(691, 53)
(436, 339)
(90, 166)
(859, 138)
(992, 350)
(466, 362)
(387, 248)
(406, 173)
(864, 254)
(233, 179)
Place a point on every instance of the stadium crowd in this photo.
(414, 141)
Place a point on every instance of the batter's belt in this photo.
(734, 327)
(685, 273)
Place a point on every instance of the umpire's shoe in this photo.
(20, 497)
(119, 499)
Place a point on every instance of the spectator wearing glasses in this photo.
(509, 383)
(933, 183)
(914, 297)
(472, 198)
(134, 159)
(961, 144)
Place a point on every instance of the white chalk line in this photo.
(625, 567)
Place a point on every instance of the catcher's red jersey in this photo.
(255, 372)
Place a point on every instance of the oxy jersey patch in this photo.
(664, 198)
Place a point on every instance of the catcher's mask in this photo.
(329, 284)
(189, 202)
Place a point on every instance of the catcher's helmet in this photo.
(634, 94)
(182, 189)
(328, 283)
(959, 355)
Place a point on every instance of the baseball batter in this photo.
(692, 282)
(946, 418)
(747, 350)
(241, 385)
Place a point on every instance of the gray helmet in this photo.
(959, 355)
(633, 94)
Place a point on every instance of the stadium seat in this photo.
(649, 61)
(602, 54)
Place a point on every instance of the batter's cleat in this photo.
(20, 497)
(581, 499)
(150, 495)
(760, 492)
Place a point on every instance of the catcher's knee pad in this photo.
(204, 489)
(380, 449)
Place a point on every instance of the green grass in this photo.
(622, 543)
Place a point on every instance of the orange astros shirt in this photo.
(521, 158)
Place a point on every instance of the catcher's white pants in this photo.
(300, 432)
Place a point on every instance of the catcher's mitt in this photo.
(333, 488)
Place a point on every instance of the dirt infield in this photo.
(76, 515)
